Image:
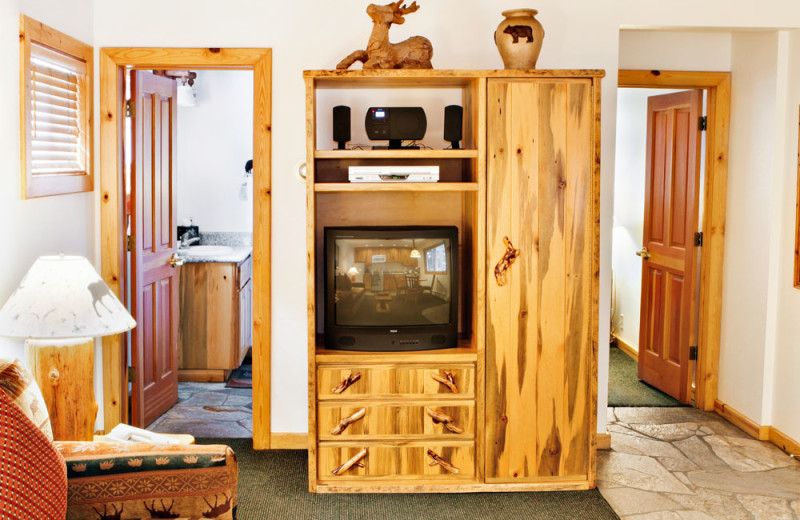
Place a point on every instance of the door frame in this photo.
(717, 86)
(112, 63)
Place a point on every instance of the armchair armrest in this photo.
(150, 480)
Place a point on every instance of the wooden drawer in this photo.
(392, 381)
(245, 271)
(410, 462)
(381, 421)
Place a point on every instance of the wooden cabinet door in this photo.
(245, 319)
(539, 323)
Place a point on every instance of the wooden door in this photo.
(539, 324)
(153, 225)
(670, 220)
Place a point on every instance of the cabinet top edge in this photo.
(453, 73)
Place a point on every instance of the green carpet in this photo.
(273, 485)
(625, 388)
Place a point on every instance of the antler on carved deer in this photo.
(413, 53)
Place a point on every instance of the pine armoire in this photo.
(513, 407)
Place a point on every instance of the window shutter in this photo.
(58, 129)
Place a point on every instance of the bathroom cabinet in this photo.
(216, 318)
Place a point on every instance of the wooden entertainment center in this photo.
(513, 408)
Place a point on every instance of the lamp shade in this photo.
(63, 297)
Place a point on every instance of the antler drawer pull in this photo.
(439, 416)
(347, 421)
(502, 266)
(346, 382)
(448, 380)
(355, 461)
(437, 459)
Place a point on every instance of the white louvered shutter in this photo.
(57, 130)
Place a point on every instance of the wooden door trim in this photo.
(112, 63)
(718, 105)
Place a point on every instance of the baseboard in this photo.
(288, 441)
(750, 427)
(203, 376)
(784, 442)
(603, 441)
(632, 352)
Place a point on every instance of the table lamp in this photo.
(58, 308)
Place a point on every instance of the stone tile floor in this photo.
(209, 410)
(685, 464)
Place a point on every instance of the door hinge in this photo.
(702, 123)
(698, 238)
(693, 353)
(130, 243)
(131, 374)
(130, 107)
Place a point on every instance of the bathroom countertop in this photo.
(236, 255)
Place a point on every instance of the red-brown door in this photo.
(153, 225)
(667, 326)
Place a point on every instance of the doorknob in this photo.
(644, 253)
(176, 261)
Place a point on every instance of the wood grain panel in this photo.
(539, 325)
(579, 248)
(403, 420)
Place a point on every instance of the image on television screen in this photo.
(386, 282)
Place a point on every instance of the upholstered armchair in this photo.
(41, 479)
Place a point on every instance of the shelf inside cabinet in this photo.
(464, 353)
(396, 154)
(396, 186)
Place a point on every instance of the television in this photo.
(391, 288)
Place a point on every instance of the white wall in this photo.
(580, 34)
(629, 192)
(215, 140)
(781, 405)
(31, 228)
(747, 226)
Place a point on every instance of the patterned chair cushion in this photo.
(33, 476)
(18, 384)
(138, 480)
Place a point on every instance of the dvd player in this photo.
(393, 173)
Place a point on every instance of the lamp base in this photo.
(64, 371)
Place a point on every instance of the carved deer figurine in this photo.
(413, 53)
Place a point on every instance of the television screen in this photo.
(392, 281)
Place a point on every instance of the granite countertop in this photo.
(237, 254)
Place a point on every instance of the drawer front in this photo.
(245, 271)
(353, 421)
(393, 381)
(397, 462)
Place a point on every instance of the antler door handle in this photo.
(347, 421)
(502, 266)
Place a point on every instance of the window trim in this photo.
(32, 31)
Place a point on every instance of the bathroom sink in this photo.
(207, 250)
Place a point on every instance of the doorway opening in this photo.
(153, 280)
(669, 210)
(188, 185)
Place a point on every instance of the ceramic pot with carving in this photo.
(519, 38)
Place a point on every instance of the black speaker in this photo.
(453, 121)
(341, 125)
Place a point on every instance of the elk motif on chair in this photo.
(413, 53)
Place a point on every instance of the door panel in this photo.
(155, 282)
(538, 324)
(670, 220)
